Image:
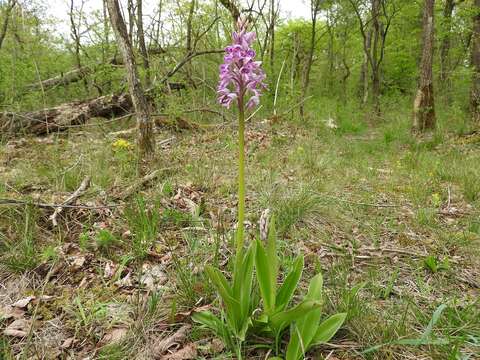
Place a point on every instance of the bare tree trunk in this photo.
(364, 71)
(4, 27)
(315, 4)
(141, 43)
(189, 45)
(445, 66)
(131, 20)
(375, 56)
(273, 17)
(230, 6)
(145, 137)
(424, 105)
(75, 35)
(475, 91)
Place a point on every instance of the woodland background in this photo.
(118, 177)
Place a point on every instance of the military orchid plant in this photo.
(241, 82)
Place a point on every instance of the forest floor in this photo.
(368, 205)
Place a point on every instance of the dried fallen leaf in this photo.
(23, 303)
(9, 312)
(18, 328)
(110, 270)
(113, 336)
(68, 343)
(175, 339)
(217, 346)
(153, 276)
(189, 352)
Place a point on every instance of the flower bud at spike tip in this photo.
(264, 220)
(240, 75)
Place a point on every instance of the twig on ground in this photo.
(16, 202)
(81, 189)
(139, 184)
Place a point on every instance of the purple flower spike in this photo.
(240, 75)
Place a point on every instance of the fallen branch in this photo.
(67, 78)
(62, 117)
(81, 189)
(139, 184)
(16, 202)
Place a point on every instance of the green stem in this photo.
(241, 177)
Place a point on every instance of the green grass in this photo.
(368, 204)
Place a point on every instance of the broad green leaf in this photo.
(272, 251)
(286, 291)
(328, 328)
(246, 286)
(222, 286)
(212, 322)
(281, 320)
(304, 330)
(209, 320)
(264, 278)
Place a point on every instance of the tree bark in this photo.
(314, 8)
(424, 105)
(445, 65)
(475, 90)
(364, 71)
(273, 17)
(375, 56)
(4, 27)
(232, 8)
(145, 139)
(141, 43)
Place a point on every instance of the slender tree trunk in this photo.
(232, 8)
(141, 43)
(424, 105)
(145, 139)
(131, 20)
(75, 35)
(475, 91)
(375, 56)
(4, 27)
(364, 76)
(189, 44)
(308, 65)
(445, 66)
(272, 34)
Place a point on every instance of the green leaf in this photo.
(425, 339)
(435, 317)
(306, 326)
(328, 328)
(246, 273)
(222, 286)
(264, 278)
(272, 250)
(286, 291)
(281, 320)
(209, 320)
(212, 322)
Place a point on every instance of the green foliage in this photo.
(143, 224)
(20, 253)
(304, 317)
(237, 302)
(105, 240)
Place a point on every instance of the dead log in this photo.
(67, 78)
(62, 117)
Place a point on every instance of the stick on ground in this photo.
(81, 189)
